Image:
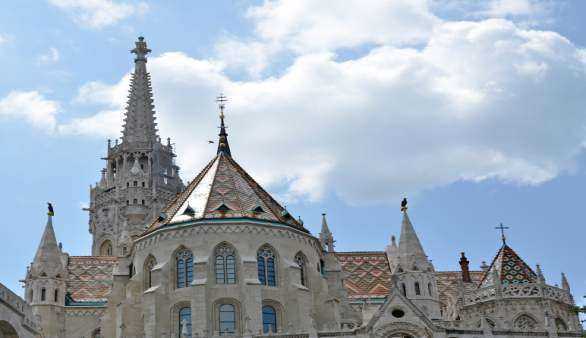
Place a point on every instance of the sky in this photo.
(473, 110)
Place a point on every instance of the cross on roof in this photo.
(221, 99)
(502, 228)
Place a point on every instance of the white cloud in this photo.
(480, 100)
(32, 107)
(99, 13)
(50, 57)
(503, 8)
(3, 39)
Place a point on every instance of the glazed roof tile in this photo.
(223, 190)
(90, 278)
(510, 267)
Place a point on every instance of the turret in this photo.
(326, 237)
(413, 271)
(45, 282)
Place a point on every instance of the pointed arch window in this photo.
(106, 248)
(184, 265)
(149, 264)
(225, 264)
(227, 319)
(302, 264)
(417, 289)
(184, 324)
(404, 289)
(430, 289)
(56, 296)
(43, 294)
(266, 266)
(269, 319)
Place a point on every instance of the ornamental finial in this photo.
(223, 146)
(141, 50)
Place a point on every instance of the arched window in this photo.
(227, 319)
(43, 294)
(269, 319)
(429, 289)
(225, 264)
(302, 264)
(149, 264)
(184, 324)
(106, 248)
(184, 265)
(417, 289)
(404, 289)
(266, 267)
(56, 296)
(525, 323)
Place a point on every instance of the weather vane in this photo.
(502, 228)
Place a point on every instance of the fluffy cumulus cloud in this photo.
(99, 13)
(470, 100)
(30, 106)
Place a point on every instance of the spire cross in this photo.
(222, 104)
(502, 228)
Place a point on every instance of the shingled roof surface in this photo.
(224, 190)
(369, 276)
(90, 278)
(511, 269)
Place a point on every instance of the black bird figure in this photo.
(51, 212)
(404, 204)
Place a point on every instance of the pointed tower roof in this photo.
(409, 243)
(325, 235)
(224, 190)
(509, 267)
(139, 122)
(48, 257)
(409, 255)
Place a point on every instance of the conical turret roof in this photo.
(48, 257)
(224, 190)
(510, 268)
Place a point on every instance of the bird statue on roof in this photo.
(50, 211)
(404, 205)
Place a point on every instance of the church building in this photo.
(220, 257)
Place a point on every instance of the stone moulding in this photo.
(235, 226)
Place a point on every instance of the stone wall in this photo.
(16, 318)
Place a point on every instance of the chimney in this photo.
(464, 266)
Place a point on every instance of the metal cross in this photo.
(221, 100)
(502, 228)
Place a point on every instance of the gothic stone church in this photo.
(221, 257)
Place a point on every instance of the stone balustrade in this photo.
(532, 290)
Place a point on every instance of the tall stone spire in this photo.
(325, 235)
(48, 257)
(223, 145)
(140, 176)
(139, 122)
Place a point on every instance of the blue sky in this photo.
(474, 111)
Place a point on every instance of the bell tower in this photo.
(140, 176)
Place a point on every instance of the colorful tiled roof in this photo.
(447, 285)
(224, 190)
(368, 274)
(510, 267)
(90, 278)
